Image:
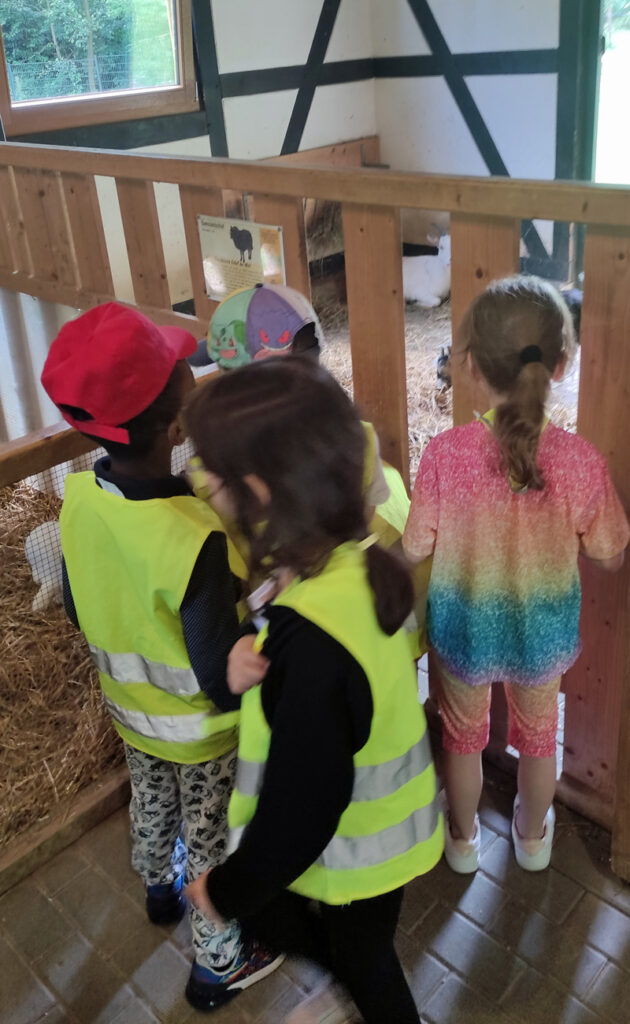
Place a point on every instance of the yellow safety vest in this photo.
(129, 564)
(392, 829)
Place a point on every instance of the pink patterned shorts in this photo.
(465, 713)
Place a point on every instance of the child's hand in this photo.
(246, 667)
(197, 895)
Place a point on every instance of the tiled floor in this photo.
(502, 946)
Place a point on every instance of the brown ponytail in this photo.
(392, 587)
(518, 424)
(518, 331)
(287, 422)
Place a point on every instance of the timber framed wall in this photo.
(424, 74)
(51, 247)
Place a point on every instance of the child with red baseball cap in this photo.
(147, 579)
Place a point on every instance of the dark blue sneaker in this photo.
(166, 903)
(208, 990)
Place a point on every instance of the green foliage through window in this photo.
(72, 47)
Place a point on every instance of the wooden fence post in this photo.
(483, 248)
(597, 713)
(377, 324)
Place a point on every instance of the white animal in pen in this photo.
(427, 279)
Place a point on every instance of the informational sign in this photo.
(239, 254)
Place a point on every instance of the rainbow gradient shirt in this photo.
(504, 594)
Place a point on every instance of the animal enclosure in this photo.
(52, 246)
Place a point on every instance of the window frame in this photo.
(28, 116)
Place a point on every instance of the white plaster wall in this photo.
(471, 26)
(352, 36)
(253, 34)
(256, 125)
(340, 112)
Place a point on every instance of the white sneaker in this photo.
(327, 1004)
(533, 854)
(461, 855)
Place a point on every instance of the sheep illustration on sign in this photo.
(243, 241)
(239, 254)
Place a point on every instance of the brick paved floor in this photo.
(502, 946)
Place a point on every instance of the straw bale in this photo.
(56, 734)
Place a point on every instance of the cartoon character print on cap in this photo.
(227, 344)
(281, 347)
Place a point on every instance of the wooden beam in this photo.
(377, 325)
(489, 196)
(141, 226)
(196, 202)
(86, 225)
(482, 249)
(597, 710)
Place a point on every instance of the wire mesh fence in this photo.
(154, 66)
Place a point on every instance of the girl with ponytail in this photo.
(507, 505)
(335, 804)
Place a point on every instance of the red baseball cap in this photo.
(113, 362)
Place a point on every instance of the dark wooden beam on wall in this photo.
(578, 82)
(210, 80)
(310, 76)
(468, 109)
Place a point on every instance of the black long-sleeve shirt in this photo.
(318, 703)
(208, 610)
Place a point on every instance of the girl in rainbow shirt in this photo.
(505, 505)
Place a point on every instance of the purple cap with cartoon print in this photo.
(255, 323)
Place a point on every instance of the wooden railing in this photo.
(51, 246)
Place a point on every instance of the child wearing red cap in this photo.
(147, 579)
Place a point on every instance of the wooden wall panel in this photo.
(86, 226)
(597, 716)
(44, 217)
(11, 216)
(139, 214)
(377, 325)
(483, 249)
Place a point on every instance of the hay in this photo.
(56, 734)
(427, 331)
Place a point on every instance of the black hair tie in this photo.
(531, 354)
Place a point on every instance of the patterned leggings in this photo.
(179, 823)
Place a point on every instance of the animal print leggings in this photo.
(179, 823)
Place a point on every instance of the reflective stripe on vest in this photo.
(134, 668)
(371, 782)
(170, 728)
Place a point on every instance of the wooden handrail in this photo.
(508, 197)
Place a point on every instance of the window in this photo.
(74, 62)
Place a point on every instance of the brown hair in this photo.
(517, 332)
(288, 422)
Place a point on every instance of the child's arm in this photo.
(421, 529)
(210, 621)
(603, 526)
